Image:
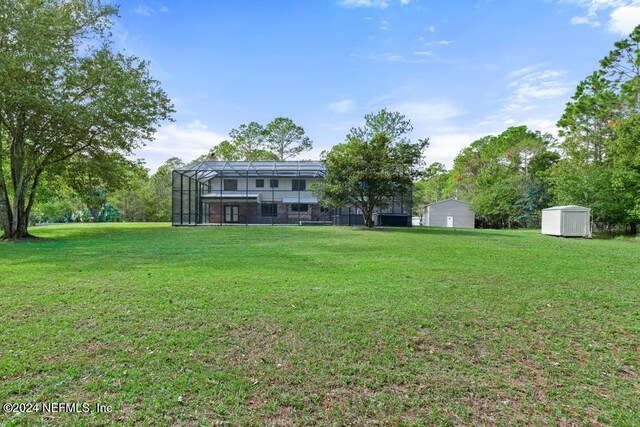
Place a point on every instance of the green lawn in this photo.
(320, 325)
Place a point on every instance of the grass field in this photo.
(320, 325)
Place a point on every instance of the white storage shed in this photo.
(449, 213)
(567, 221)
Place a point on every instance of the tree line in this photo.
(73, 110)
(128, 191)
(509, 178)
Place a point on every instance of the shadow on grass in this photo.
(60, 232)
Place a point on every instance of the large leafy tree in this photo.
(376, 162)
(286, 139)
(247, 142)
(625, 179)
(64, 91)
(599, 167)
(585, 124)
(281, 139)
(505, 176)
(435, 185)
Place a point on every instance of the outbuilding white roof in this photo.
(574, 208)
(449, 200)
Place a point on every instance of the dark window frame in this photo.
(229, 180)
(274, 181)
(271, 211)
(261, 181)
(297, 207)
(298, 184)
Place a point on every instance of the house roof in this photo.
(204, 171)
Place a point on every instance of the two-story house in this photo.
(261, 192)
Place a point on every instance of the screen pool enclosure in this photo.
(265, 192)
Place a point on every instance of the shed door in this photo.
(450, 221)
(575, 224)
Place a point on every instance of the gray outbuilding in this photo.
(567, 221)
(449, 213)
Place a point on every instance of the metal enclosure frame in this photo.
(199, 196)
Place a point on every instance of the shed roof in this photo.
(449, 200)
(574, 208)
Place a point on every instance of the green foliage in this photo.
(585, 123)
(588, 185)
(226, 150)
(600, 130)
(505, 177)
(435, 185)
(377, 162)
(81, 215)
(281, 139)
(625, 155)
(109, 213)
(247, 142)
(147, 198)
(286, 139)
(65, 94)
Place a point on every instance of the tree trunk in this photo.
(18, 228)
(367, 215)
(6, 218)
(15, 219)
(633, 228)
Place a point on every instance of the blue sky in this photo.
(458, 69)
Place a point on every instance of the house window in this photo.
(230, 184)
(274, 183)
(259, 183)
(298, 184)
(299, 207)
(269, 209)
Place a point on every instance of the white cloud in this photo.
(423, 56)
(423, 53)
(146, 10)
(143, 10)
(436, 120)
(543, 125)
(384, 25)
(432, 29)
(440, 43)
(395, 58)
(349, 4)
(529, 84)
(444, 147)
(342, 107)
(405, 2)
(624, 20)
(428, 115)
(584, 20)
(185, 141)
(625, 15)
